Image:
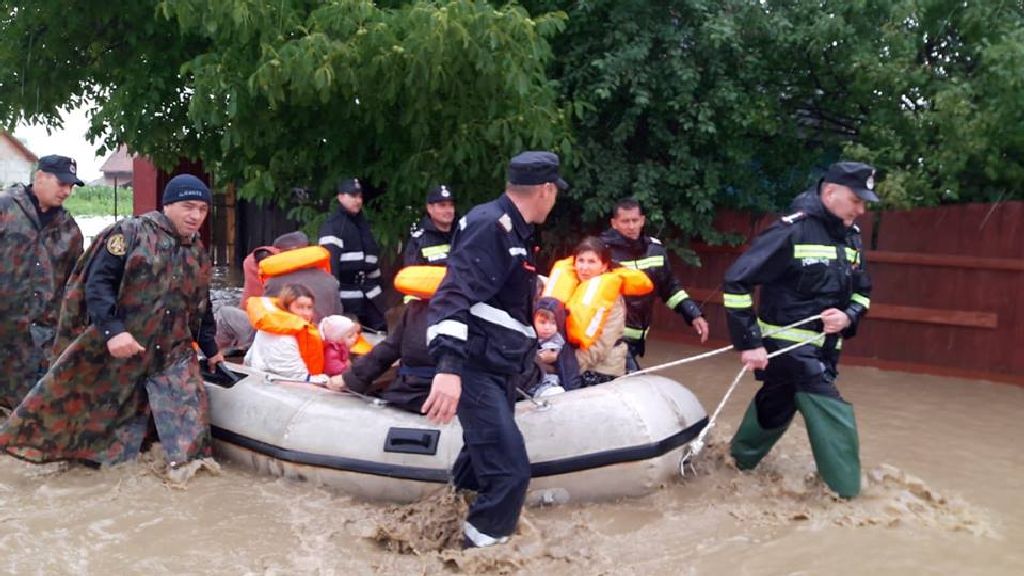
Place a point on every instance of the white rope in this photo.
(695, 447)
(718, 351)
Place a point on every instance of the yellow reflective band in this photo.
(737, 300)
(650, 262)
(408, 299)
(634, 333)
(852, 255)
(862, 300)
(676, 299)
(814, 252)
(628, 264)
(435, 250)
(795, 334)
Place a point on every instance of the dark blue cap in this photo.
(351, 187)
(440, 194)
(858, 177)
(186, 187)
(535, 167)
(64, 168)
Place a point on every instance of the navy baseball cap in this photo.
(64, 168)
(535, 167)
(440, 194)
(858, 177)
(351, 187)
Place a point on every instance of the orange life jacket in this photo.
(562, 280)
(420, 281)
(265, 314)
(361, 347)
(298, 259)
(590, 303)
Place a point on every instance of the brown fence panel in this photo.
(948, 285)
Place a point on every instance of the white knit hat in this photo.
(334, 328)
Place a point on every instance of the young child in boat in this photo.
(340, 334)
(286, 342)
(558, 371)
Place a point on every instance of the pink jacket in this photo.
(251, 269)
(335, 358)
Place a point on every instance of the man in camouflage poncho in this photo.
(134, 305)
(39, 243)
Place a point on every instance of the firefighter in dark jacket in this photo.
(430, 240)
(633, 249)
(406, 343)
(354, 254)
(481, 336)
(808, 263)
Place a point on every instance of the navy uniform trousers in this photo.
(493, 460)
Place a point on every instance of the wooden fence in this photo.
(948, 290)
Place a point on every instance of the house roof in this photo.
(118, 161)
(25, 152)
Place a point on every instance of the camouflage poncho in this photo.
(35, 264)
(94, 407)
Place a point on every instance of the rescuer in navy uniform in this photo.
(354, 254)
(481, 336)
(430, 240)
(808, 263)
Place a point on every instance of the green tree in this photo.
(696, 105)
(274, 95)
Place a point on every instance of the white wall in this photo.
(13, 166)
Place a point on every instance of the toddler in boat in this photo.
(339, 334)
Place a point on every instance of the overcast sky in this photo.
(67, 141)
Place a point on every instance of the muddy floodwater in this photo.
(944, 494)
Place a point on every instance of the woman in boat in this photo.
(287, 343)
(597, 311)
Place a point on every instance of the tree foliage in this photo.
(278, 95)
(689, 105)
(694, 105)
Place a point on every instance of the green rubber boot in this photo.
(832, 429)
(751, 442)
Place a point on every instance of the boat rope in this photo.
(540, 404)
(716, 352)
(372, 400)
(694, 448)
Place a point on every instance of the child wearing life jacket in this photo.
(287, 344)
(339, 333)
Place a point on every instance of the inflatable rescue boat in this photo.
(622, 438)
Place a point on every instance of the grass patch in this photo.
(99, 201)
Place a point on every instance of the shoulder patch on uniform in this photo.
(655, 240)
(116, 244)
(793, 217)
(506, 222)
(417, 233)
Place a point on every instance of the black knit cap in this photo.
(186, 187)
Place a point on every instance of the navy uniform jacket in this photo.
(648, 254)
(354, 254)
(427, 245)
(805, 263)
(482, 313)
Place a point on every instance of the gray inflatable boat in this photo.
(622, 438)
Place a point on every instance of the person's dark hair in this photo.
(595, 245)
(550, 315)
(627, 204)
(260, 254)
(292, 292)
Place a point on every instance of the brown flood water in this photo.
(944, 494)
